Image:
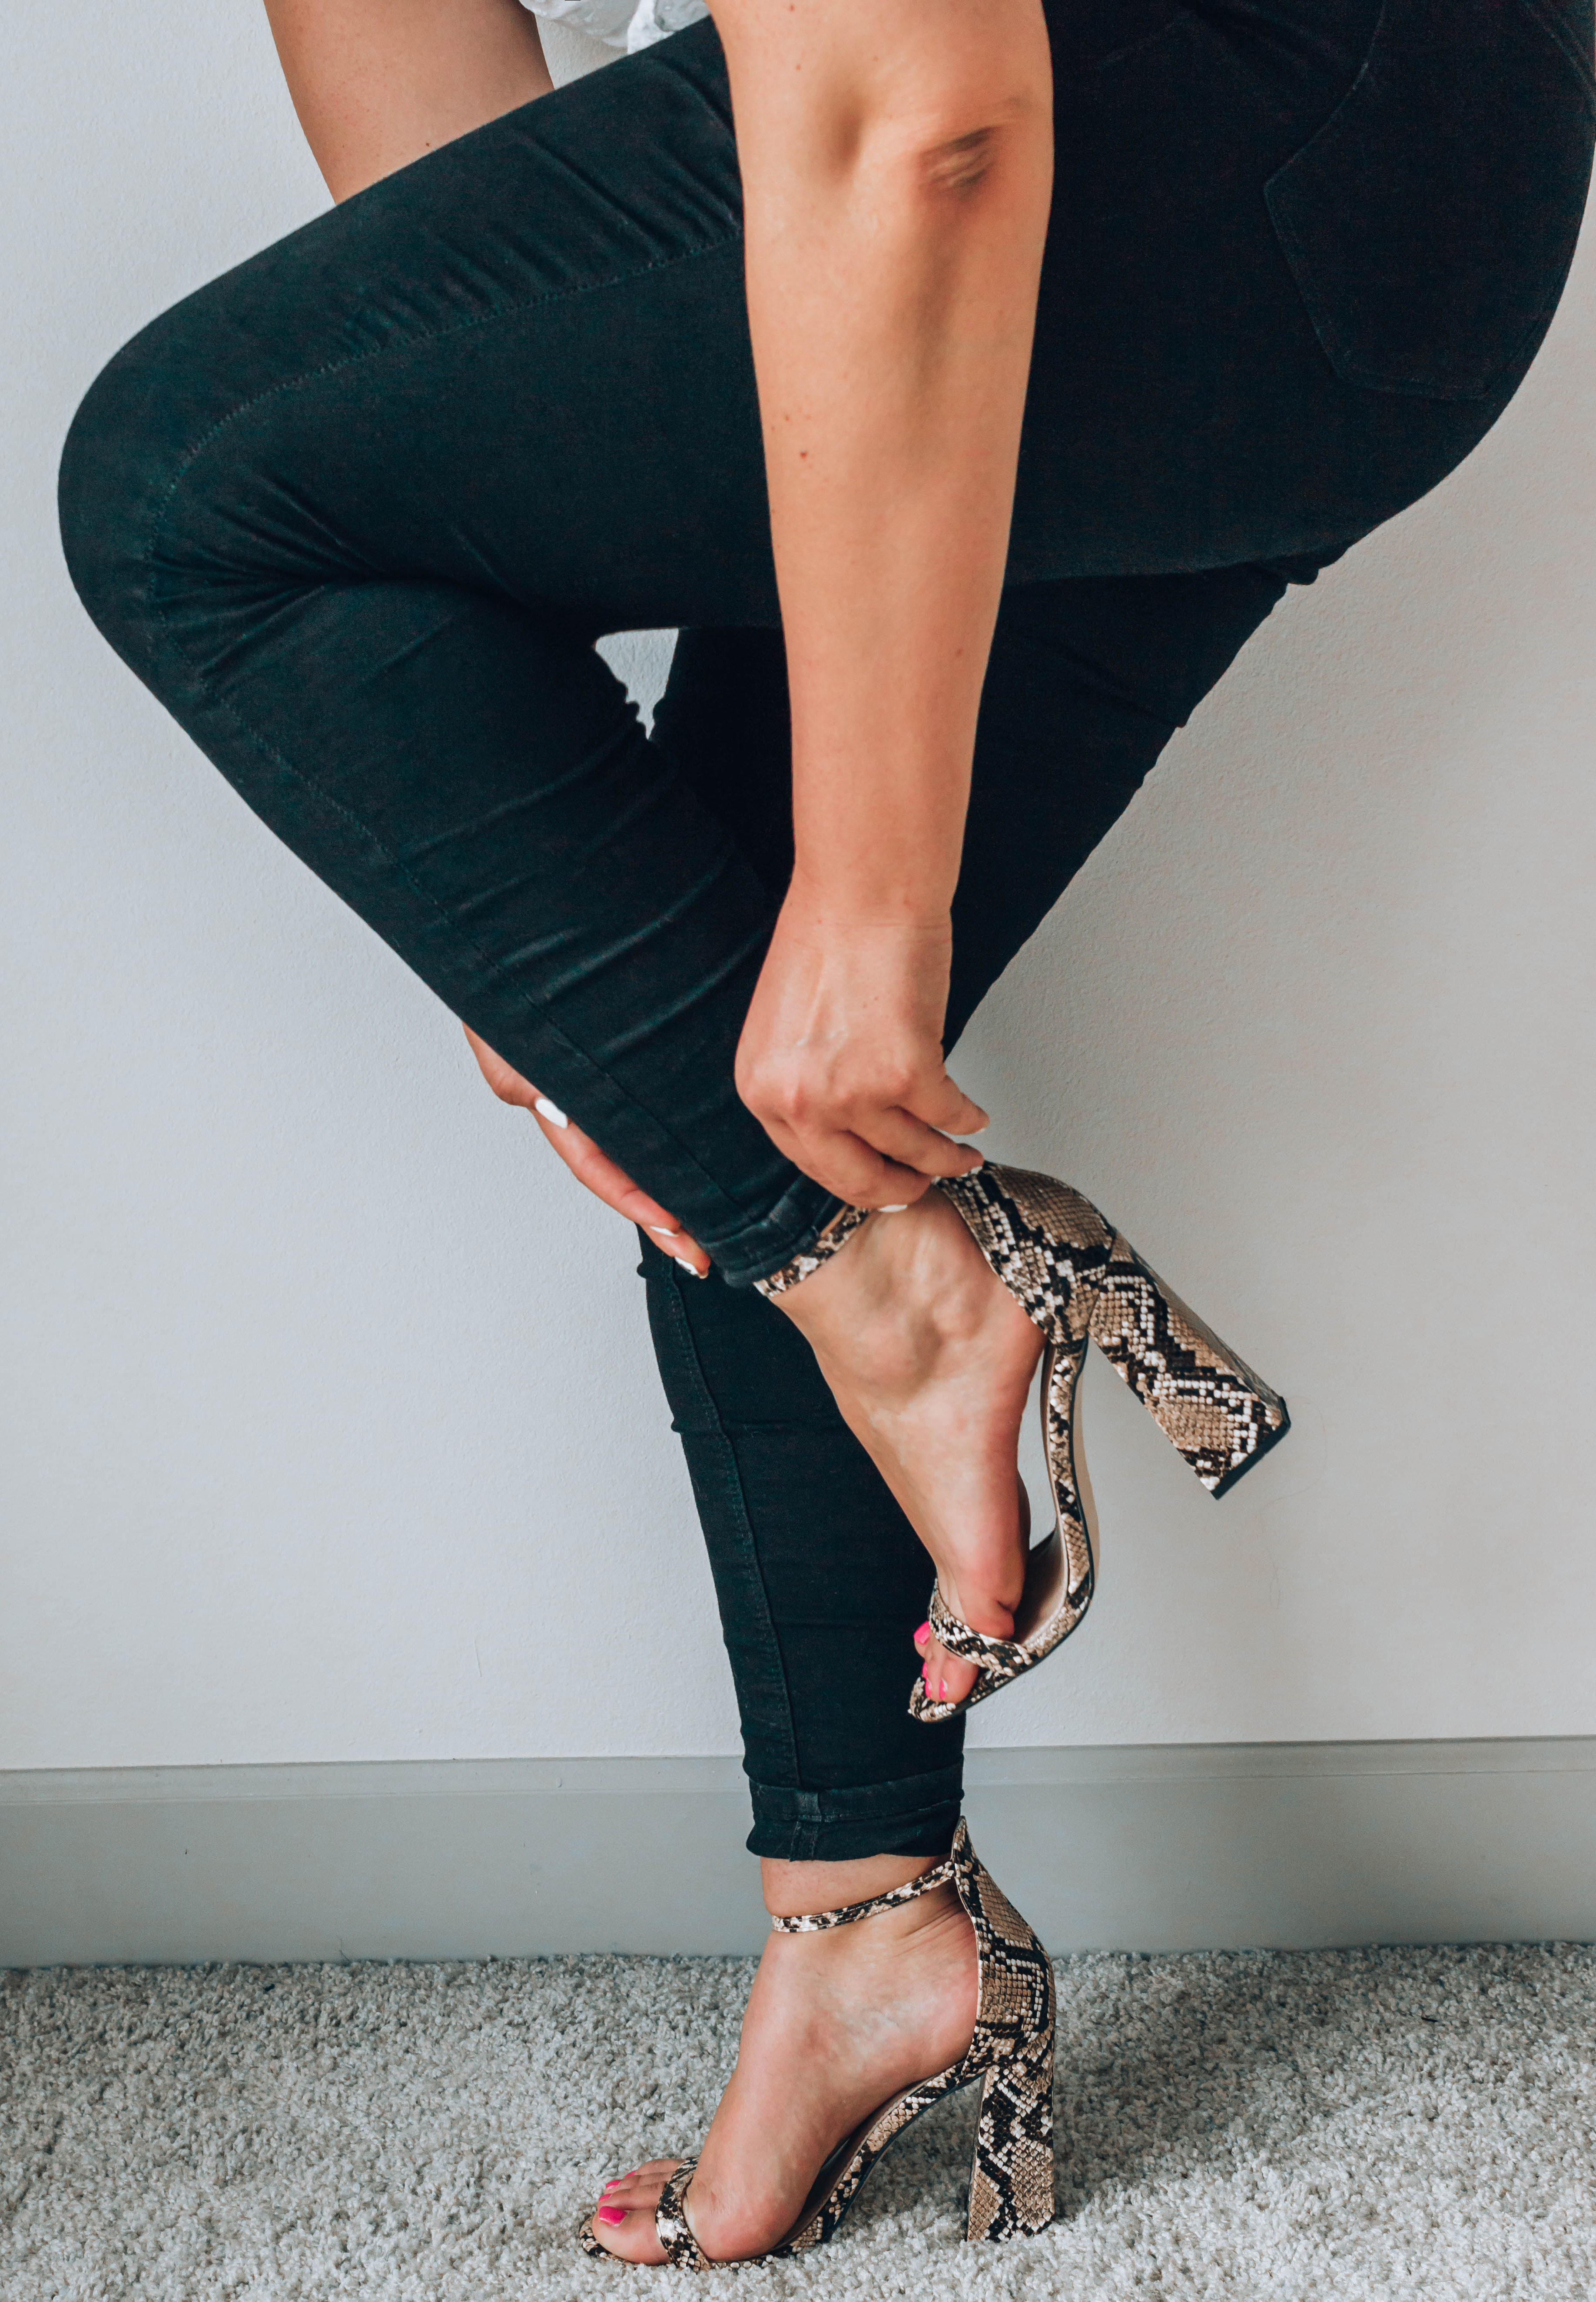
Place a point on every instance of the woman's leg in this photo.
(820, 1579)
(355, 513)
(321, 510)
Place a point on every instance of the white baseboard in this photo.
(1168, 1847)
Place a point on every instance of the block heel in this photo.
(1010, 2180)
(1219, 1416)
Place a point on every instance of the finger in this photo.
(503, 1077)
(847, 1166)
(591, 1167)
(897, 1134)
(681, 1246)
(597, 1172)
(941, 1103)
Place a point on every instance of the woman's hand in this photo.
(841, 1057)
(586, 1161)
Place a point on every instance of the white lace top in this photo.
(629, 24)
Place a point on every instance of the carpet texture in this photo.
(1340, 2124)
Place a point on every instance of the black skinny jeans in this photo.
(357, 511)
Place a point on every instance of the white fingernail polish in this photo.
(682, 1263)
(902, 1210)
(551, 1111)
(659, 1231)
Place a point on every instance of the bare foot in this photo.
(930, 1359)
(837, 2024)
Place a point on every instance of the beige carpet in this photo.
(1338, 2125)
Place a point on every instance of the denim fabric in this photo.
(819, 1577)
(1380, 271)
(356, 511)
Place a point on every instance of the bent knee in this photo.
(149, 475)
(123, 452)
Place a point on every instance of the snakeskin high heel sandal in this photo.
(1081, 1281)
(1009, 2052)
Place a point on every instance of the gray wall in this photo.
(330, 1411)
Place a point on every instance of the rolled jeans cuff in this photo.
(918, 1814)
(793, 1225)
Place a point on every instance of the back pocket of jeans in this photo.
(1430, 223)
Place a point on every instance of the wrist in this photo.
(837, 905)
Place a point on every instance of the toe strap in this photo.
(682, 2249)
(1002, 1658)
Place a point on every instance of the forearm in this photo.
(376, 83)
(896, 189)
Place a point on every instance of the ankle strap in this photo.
(838, 1231)
(816, 1923)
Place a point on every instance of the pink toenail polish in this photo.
(942, 1690)
(611, 2215)
(923, 1631)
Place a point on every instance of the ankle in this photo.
(795, 1890)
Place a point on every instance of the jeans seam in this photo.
(1555, 27)
(407, 342)
(750, 1548)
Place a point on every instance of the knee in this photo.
(110, 481)
(130, 485)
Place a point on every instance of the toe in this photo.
(946, 1678)
(622, 2219)
(629, 2236)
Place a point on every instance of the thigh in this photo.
(519, 367)
(521, 364)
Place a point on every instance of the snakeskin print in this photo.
(819, 1922)
(682, 2249)
(1078, 1278)
(1000, 1660)
(839, 1231)
(1208, 1403)
(1009, 2051)
(675, 2233)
